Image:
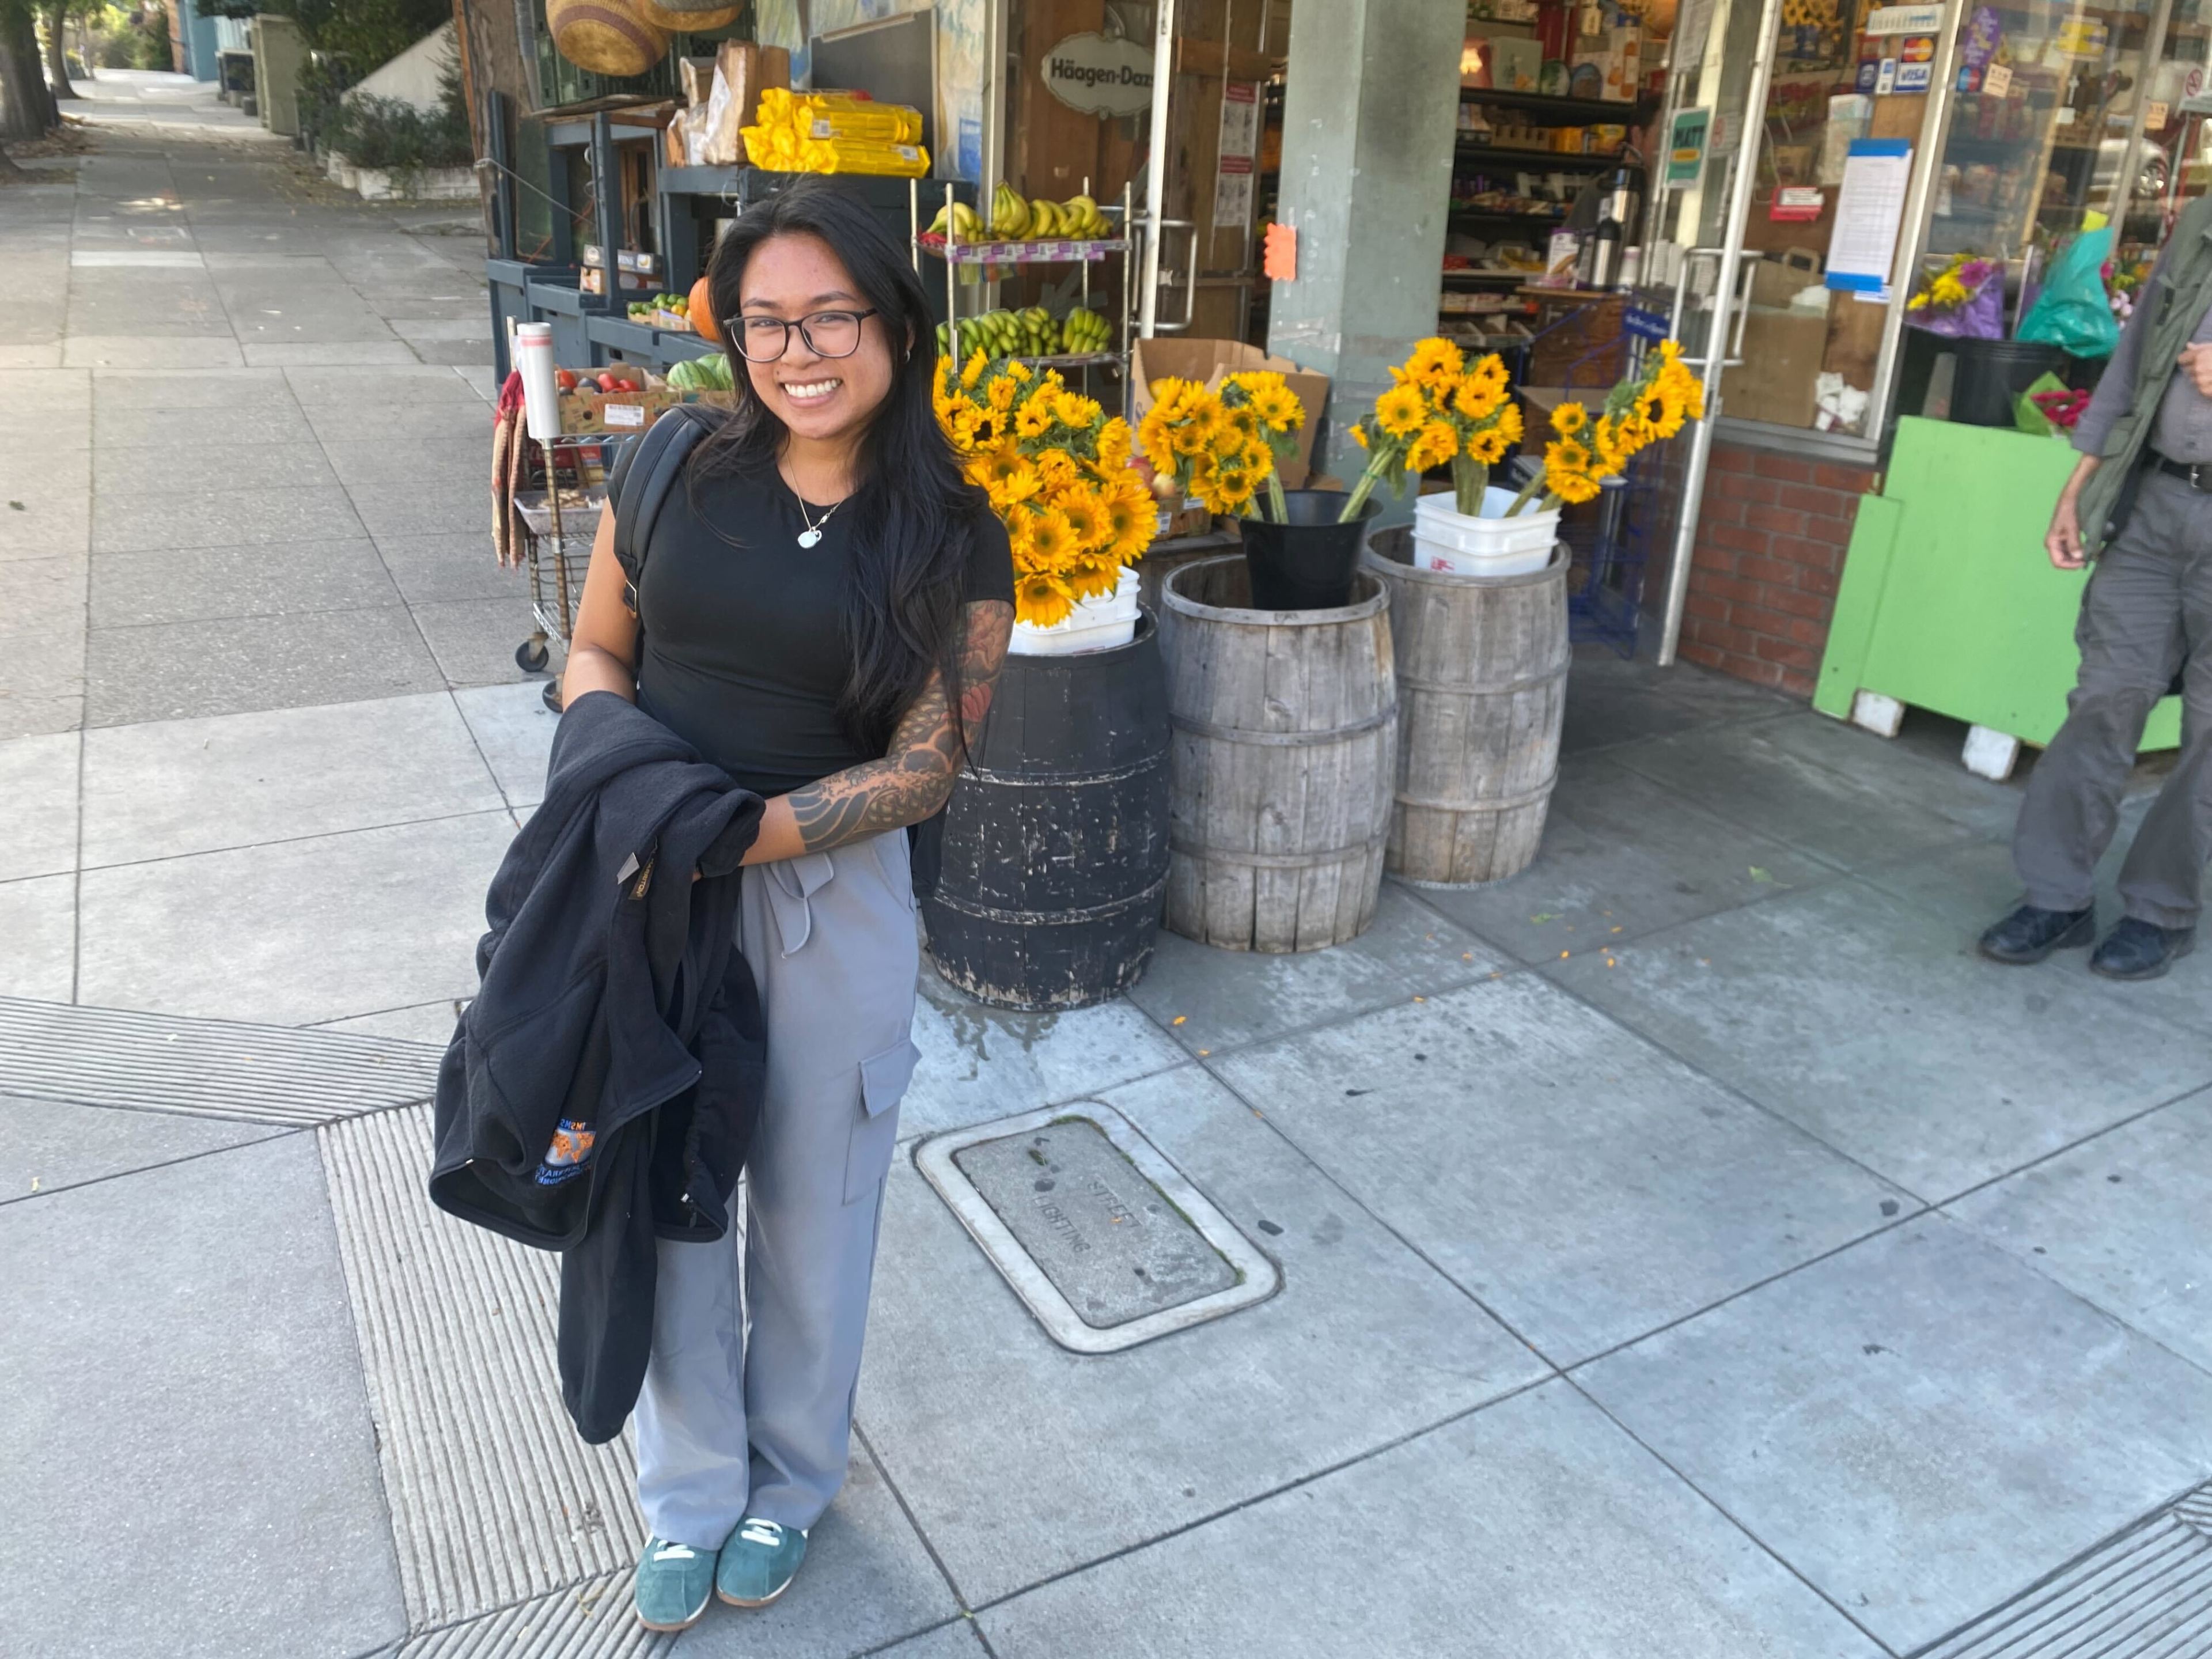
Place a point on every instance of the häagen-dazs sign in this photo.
(1100, 77)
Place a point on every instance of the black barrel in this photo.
(1051, 859)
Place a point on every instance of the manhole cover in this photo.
(1096, 1231)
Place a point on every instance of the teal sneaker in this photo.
(675, 1582)
(758, 1562)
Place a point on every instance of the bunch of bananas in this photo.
(960, 222)
(1028, 333)
(1014, 218)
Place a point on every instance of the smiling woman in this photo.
(822, 610)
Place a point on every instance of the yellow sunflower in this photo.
(1114, 445)
(1399, 412)
(1435, 364)
(1132, 519)
(1566, 472)
(1000, 396)
(1056, 468)
(1476, 398)
(1488, 445)
(1052, 539)
(1437, 443)
(1278, 408)
(1034, 418)
(1508, 422)
(1042, 598)
(1086, 513)
(1569, 418)
(1094, 575)
(1076, 411)
(972, 371)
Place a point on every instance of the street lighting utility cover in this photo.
(1102, 1237)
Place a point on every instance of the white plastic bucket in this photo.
(1452, 544)
(1096, 624)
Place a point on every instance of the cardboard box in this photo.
(1210, 361)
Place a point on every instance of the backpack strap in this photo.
(644, 471)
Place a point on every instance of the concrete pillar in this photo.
(1370, 113)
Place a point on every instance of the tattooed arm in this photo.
(913, 778)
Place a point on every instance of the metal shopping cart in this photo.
(558, 524)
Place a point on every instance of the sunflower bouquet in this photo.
(1438, 408)
(1585, 450)
(1224, 446)
(1057, 470)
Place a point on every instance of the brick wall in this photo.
(1772, 536)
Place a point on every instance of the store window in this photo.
(1847, 78)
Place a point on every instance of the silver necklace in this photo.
(812, 534)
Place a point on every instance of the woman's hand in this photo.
(915, 776)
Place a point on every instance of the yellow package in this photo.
(858, 155)
(886, 124)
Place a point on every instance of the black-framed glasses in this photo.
(827, 334)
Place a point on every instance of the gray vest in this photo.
(2179, 298)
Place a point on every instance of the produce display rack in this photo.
(987, 257)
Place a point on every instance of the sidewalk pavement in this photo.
(1690, 1249)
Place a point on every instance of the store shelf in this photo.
(1075, 360)
(1508, 215)
(1049, 252)
(1566, 111)
(1470, 145)
(1494, 275)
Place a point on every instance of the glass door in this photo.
(1720, 65)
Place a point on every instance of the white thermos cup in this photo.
(541, 397)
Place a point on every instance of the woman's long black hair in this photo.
(913, 511)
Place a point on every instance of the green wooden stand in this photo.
(1949, 602)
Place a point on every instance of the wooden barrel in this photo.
(1285, 722)
(1041, 883)
(608, 37)
(1482, 687)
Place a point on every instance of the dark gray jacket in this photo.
(600, 1091)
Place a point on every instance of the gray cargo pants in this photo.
(2147, 608)
(747, 1407)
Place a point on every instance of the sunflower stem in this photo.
(1470, 482)
(1527, 494)
(1280, 507)
(1361, 491)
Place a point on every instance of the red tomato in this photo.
(607, 382)
(565, 379)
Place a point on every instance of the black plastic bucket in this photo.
(1307, 563)
(1992, 374)
(1042, 879)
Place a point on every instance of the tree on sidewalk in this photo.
(57, 75)
(27, 108)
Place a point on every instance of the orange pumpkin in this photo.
(701, 313)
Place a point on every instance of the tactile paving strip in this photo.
(495, 1501)
(206, 1067)
(2145, 1594)
(589, 1621)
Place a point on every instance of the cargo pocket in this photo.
(884, 1079)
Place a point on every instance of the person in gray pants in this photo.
(2146, 616)
(820, 607)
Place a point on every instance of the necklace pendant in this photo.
(809, 536)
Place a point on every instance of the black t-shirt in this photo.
(745, 654)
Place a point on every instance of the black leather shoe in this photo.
(2029, 934)
(2141, 950)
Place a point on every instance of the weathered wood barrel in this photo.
(1286, 725)
(1041, 883)
(1482, 687)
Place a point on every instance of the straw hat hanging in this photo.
(607, 37)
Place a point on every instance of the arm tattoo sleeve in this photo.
(914, 777)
